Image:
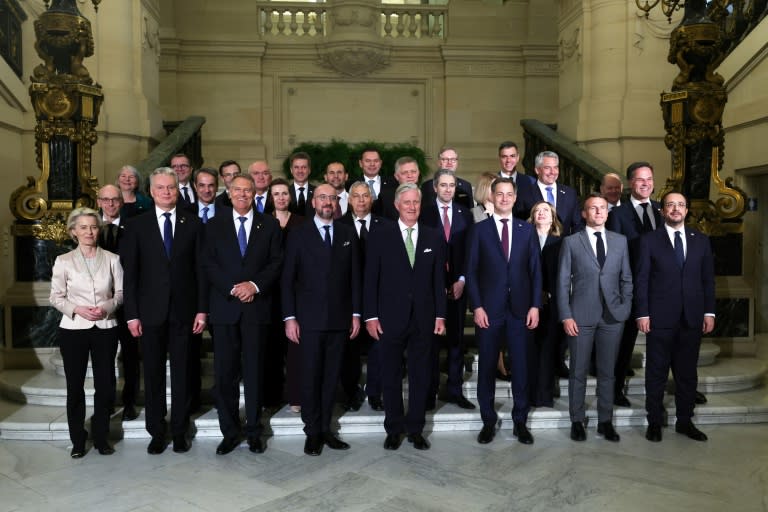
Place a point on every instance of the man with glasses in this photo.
(227, 171)
(448, 160)
(182, 166)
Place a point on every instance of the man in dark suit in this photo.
(110, 201)
(448, 160)
(674, 306)
(406, 171)
(262, 179)
(182, 166)
(242, 260)
(205, 181)
(228, 169)
(404, 303)
(504, 286)
(301, 190)
(594, 299)
(546, 188)
(509, 155)
(165, 302)
(336, 176)
(370, 163)
(454, 220)
(366, 225)
(634, 217)
(321, 295)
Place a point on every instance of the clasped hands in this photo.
(244, 292)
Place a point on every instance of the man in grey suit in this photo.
(594, 299)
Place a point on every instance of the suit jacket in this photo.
(432, 216)
(384, 205)
(582, 285)
(523, 185)
(550, 262)
(192, 195)
(568, 208)
(393, 291)
(624, 219)
(72, 285)
(224, 266)
(664, 292)
(119, 232)
(155, 285)
(498, 285)
(223, 200)
(373, 226)
(463, 193)
(322, 288)
(195, 209)
(293, 206)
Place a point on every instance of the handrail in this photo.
(578, 168)
(184, 138)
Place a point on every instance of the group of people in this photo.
(294, 281)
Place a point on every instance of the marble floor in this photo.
(729, 472)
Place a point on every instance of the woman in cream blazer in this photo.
(87, 287)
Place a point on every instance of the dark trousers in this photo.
(373, 385)
(129, 356)
(239, 350)
(321, 355)
(275, 364)
(417, 345)
(194, 371)
(453, 341)
(676, 348)
(511, 330)
(351, 367)
(172, 339)
(293, 375)
(543, 357)
(624, 359)
(76, 345)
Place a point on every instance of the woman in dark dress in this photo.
(134, 202)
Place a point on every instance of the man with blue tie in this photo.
(674, 306)
(504, 288)
(262, 178)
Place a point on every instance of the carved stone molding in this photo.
(353, 59)
(570, 48)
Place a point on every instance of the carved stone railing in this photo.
(578, 168)
(183, 137)
(414, 22)
(291, 19)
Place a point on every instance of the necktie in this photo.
(168, 234)
(600, 246)
(327, 236)
(446, 223)
(302, 201)
(647, 226)
(242, 240)
(111, 246)
(205, 215)
(337, 210)
(505, 238)
(185, 194)
(260, 204)
(550, 196)
(409, 247)
(363, 229)
(679, 253)
(373, 191)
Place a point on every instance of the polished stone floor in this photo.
(727, 473)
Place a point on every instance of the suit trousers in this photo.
(605, 337)
(172, 339)
(239, 350)
(76, 345)
(194, 371)
(373, 386)
(624, 359)
(512, 331)
(543, 359)
(676, 348)
(321, 356)
(129, 356)
(351, 368)
(417, 345)
(453, 342)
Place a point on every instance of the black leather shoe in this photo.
(577, 431)
(653, 434)
(105, 449)
(606, 430)
(181, 444)
(461, 401)
(256, 445)
(506, 377)
(522, 433)
(418, 441)
(392, 442)
(620, 400)
(487, 434)
(630, 372)
(690, 430)
(700, 399)
(78, 452)
(355, 401)
(227, 445)
(156, 446)
(334, 443)
(130, 413)
(375, 403)
(313, 445)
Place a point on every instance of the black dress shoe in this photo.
(562, 371)
(392, 442)
(690, 430)
(375, 403)
(256, 445)
(522, 433)
(486, 435)
(577, 431)
(181, 444)
(418, 441)
(227, 445)
(130, 413)
(355, 401)
(653, 434)
(78, 452)
(313, 445)
(700, 399)
(334, 443)
(620, 400)
(606, 430)
(105, 449)
(630, 372)
(156, 446)
(503, 376)
(461, 401)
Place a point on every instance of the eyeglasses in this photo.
(672, 204)
(230, 174)
(110, 199)
(442, 159)
(324, 197)
(180, 166)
